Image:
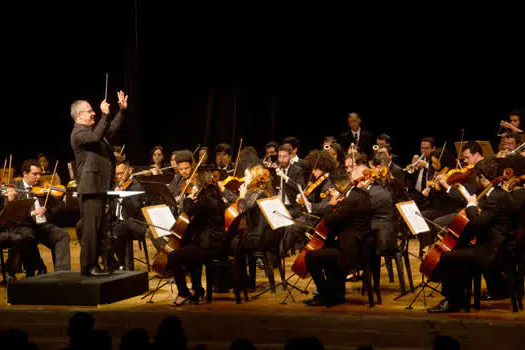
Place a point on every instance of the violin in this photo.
(124, 185)
(57, 191)
(232, 183)
(312, 186)
(459, 176)
(434, 183)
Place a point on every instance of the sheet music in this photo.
(275, 212)
(123, 194)
(161, 217)
(411, 214)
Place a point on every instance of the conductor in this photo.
(95, 168)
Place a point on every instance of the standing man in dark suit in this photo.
(95, 169)
(356, 135)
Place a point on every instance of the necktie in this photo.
(356, 137)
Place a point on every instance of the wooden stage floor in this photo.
(268, 323)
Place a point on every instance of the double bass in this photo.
(321, 231)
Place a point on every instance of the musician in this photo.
(438, 202)
(270, 149)
(489, 222)
(257, 185)
(320, 163)
(118, 152)
(39, 227)
(157, 157)
(181, 181)
(327, 141)
(348, 222)
(203, 155)
(418, 169)
(95, 167)
(223, 159)
(287, 179)
(383, 139)
(46, 172)
(395, 181)
(293, 142)
(513, 126)
(124, 210)
(204, 239)
(336, 151)
(356, 135)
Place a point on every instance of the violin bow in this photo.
(51, 184)
(353, 157)
(121, 150)
(461, 148)
(311, 173)
(9, 169)
(106, 90)
(237, 158)
(3, 171)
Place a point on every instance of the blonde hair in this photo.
(260, 180)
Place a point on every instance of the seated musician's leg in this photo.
(323, 265)
(56, 239)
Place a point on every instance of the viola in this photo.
(312, 186)
(459, 176)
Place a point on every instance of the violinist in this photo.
(320, 163)
(182, 184)
(438, 202)
(123, 210)
(39, 227)
(348, 219)
(472, 154)
(204, 239)
(489, 222)
(288, 176)
(257, 185)
(395, 180)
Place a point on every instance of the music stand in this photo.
(165, 178)
(278, 217)
(158, 192)
(109, 236)
(417, 224)
(15, 212)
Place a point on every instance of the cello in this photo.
(321, 231)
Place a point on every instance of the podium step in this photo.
(71, 288)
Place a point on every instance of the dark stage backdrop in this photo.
(207, 79)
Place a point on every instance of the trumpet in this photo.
(411, 168)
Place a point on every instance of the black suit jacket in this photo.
(365, 143)
(489, 225)
(290, 187)
(94, 159)
(350, 221)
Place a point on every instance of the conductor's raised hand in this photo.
(122, 100)
(104, 107)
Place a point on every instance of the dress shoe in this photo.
(443, 307)
(42, 270)
(315, 301)
(96, 272)
(182, 301)
(494, 297)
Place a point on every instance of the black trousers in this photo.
(295, 233)
(123, 231)
(94, 226)
(327, 272)
(191, 258)
(53, 237)
(441, 217)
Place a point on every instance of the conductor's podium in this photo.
(71, 288)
